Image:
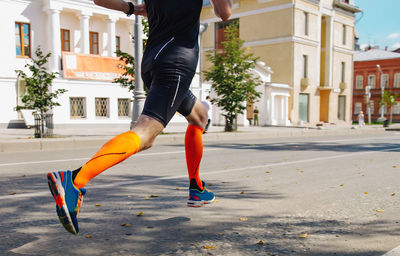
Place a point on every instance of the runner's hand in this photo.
(140, 9)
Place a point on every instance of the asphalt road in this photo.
(333, 195)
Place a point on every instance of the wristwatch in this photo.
(131, 9)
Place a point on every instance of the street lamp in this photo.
(368, 101)
(139, 93)
(382, 118)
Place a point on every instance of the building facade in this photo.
(82, 39)
(307, 43)
(369, 80)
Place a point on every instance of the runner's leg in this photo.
(119, 148)
(194, 142)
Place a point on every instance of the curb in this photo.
(26, 145)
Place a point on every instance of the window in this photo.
(342, 107)
(343, 79)
(123, 107)
(23, 39)
(372, 81)
(305, 24)
(384, 109)
(344, 36)
(371, 107)
(65, 40)
(118, 43)
(77, 107)
(385, 80)
(396, 83)
(94, 42)
(359, 82)
(396, 108)
(304, 100)
(305, 66)
(102, 107)
(220, 32)
(357, 108)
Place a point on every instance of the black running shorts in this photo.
(167, 71)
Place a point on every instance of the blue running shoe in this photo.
(68, 199)
(199, 197)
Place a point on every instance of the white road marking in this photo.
(181, 151)
(122, 183)
(394, 252)
(87, 158)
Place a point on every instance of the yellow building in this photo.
(307, 43)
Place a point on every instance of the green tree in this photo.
(127, 78)
(39, 95)
(388, 100)
(231, 76)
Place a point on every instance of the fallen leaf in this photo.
(341, 185)
(247, 176)
(220, 234)
(366, 193)
(98, 205)
(244, 219)
(243, 192)
(393, 194)
(305, 235)
(210, 184)
(177, 188)
(216, 200)
(380, 210)
(13, 193)
(209, 247)
(261, 242)
(394, 166)
(139, 214)
(147, 198)
(153, 196)
(88, 236)
(267, 172)
(126, 225)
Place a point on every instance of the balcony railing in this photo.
(347, 5)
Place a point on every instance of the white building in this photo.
(273, 104)
(82, 38)
(89, 34)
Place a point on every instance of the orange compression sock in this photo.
(113, 152)
(194, 152)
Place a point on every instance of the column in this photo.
(85, 43)
(139, 93)
(329, 51)
(111, 36)
(55, 39)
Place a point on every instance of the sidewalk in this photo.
(18, 140)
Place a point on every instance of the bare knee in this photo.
(147, 128)
(199, 116)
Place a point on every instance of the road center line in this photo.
(181, 151)
(122, 183)
(87, 158)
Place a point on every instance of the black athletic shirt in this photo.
(173, 18)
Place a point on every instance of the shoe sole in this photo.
(197, 204)
(58, 193)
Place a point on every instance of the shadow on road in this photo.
(110, 225)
